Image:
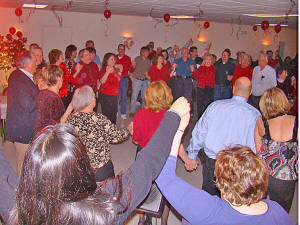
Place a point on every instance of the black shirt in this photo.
(222, 70)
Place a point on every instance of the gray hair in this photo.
(23, 59)
(80, 54)
(263, 55)
(83, 97)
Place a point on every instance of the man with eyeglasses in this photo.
(263, 78)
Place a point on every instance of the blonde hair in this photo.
(158, 96)
(241, 176)
(51, 73)
(274, 102)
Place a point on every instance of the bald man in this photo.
(224, 123)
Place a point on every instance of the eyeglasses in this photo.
(262, 77)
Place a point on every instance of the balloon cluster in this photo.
(12, 31)
(265, 26)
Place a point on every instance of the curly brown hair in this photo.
(241, 176)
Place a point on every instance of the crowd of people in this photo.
(245, 135)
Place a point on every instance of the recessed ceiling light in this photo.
(185, 17)
(270, 15)
(34, 6)
(274, 24)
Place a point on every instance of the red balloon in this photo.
(254, 28)
(167, 17)
(107, 13)
(265, 25)
(18, 12)
(206, 24)
(9, 37)
(277, 28)
(19, 34)
(12, 30)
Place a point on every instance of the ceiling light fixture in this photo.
(273, 25)
(34, 6)
(185, 17)
(270, 15)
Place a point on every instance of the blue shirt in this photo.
(225, 123)
(183, 68)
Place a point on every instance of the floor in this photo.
(123, 155)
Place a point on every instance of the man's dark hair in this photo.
(91, 50)
(192, 49)
(89, 41)
(121, 45)
(143, 49)
(269, 51)
(227, 50)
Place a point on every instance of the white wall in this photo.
(42, 27)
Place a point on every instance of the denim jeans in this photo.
(123, 94)
(138, 86)
(222, 92)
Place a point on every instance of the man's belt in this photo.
(183, 77)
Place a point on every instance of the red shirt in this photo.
(273, 62)
(159, 74)
(125, 61)
(241, 72)
(63, 91)
(145, 124)
(205, 76)
(111, 86)
(168, 65)
(88, 75)
(152, 54)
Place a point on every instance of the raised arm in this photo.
(138, 178)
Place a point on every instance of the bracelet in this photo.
(181, 130)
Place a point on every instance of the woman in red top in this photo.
(243, 70)
(158, 71)
(158, 98)
(205, 85)
(110, 77)
(56, 58)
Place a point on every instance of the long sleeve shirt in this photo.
(125, 61)
(205, 76)
(224, 123)
(263, 80)
(199, 207)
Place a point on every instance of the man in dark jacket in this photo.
(21, 105)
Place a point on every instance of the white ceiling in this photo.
(230, 11)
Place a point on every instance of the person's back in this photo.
(281, 128)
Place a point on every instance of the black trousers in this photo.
(282, 192)
(181, 87)
(106, 171)
(205, 96)
(109, 106)
(67, 100)
(254, 101)
(208, 165)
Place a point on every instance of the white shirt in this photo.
(27, 74)
(263, 80)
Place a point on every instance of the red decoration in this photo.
(167, 17)
(9, 37)
(206, 25)
(277, 28)
(12, 30)
(18, 12)
(254, 28)
(19, 34)
(107, 13)
(265, 25)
